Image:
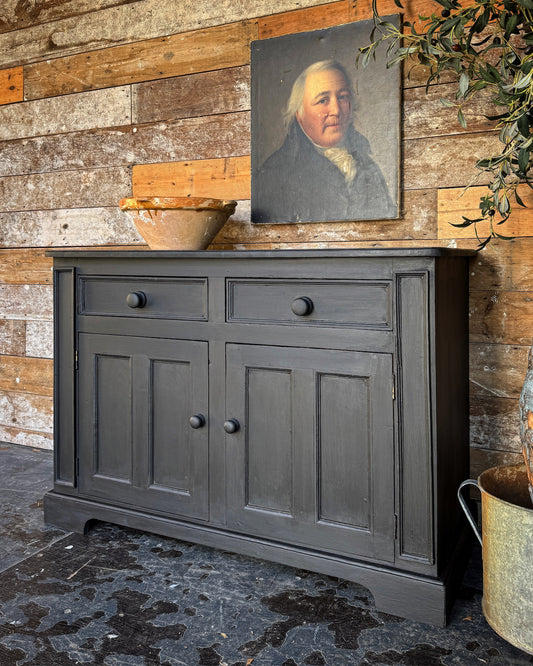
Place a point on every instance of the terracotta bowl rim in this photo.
(176, 203)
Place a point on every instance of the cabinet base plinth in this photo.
(408, 595)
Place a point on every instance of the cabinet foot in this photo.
(410, 596)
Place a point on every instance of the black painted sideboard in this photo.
(308, 407)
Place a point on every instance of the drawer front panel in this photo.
(167, 298)
(354, 303)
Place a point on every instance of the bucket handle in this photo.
(469, 482)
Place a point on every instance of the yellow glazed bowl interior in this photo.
(178, 223)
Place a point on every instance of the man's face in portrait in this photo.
(326, 107)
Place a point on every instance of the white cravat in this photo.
(343, 160)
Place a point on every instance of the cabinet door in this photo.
(313, 460)
(136, 445)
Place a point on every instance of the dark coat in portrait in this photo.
(297, 183)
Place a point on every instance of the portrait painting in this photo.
(325, 132)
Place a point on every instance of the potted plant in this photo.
(487, 45)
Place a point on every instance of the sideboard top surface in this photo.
(68, 253)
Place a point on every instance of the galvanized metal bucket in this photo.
(507, 544)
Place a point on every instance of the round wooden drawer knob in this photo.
(197, 421)
(231, 426)
(136, 299)
(302, 306)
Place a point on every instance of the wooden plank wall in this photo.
(102, 99)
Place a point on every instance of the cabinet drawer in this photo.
(355, 303)
(166, 298)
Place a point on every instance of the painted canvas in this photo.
(325, 133)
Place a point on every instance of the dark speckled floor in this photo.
(123, 598)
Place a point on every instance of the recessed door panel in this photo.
(268, 474)
(137, 446)
(312, 463)
(113, 448)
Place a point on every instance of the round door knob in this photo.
(231, 426)
(136, 299)
(302, 306)
(197, 421)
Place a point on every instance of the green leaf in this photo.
(461, 117)
(464, 81)
(523, 125)
(528, 4)
(523, 160)
(519, 200)
(447, 103)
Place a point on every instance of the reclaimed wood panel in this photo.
(40, 339)
(419, 222)
(221, 179)
(98, 108)
(38, 440)
(504, 317)
(186, 53)
(33, 301)
(482, 459)
(490, 268)
(92, 188)
(25, 267)
(26, 375)
(445, 161)
(224, 135)
(202, 94)
(497, 370)
(456, 202)
(130, 23)
(69, 227)
(494, 423)
(521, 263)
(27, 411)
(425, 116)
(12, 337)
(11, 87)
(305, 19)
(19, 15)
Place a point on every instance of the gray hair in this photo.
(295, 102)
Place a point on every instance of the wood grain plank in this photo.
(302, 20)
(483, 458)
(11, 85)
(98, 108)
(40, 339)
(490, 269)
(497, 370)
(186, 53)
(38, 440)
(26, 411)
(130, 23)
(494, 423)
(73, 189)
(202, 94)
(418, 222)
(221, 178)
(68, 227)
(27, 375)
(504, 317)
(25, 267)
(12, 337)
(521, 264)
(23, 302)
(425, 116)
(15, 15)
(445, 161)
(455, 203)
(223, 135)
